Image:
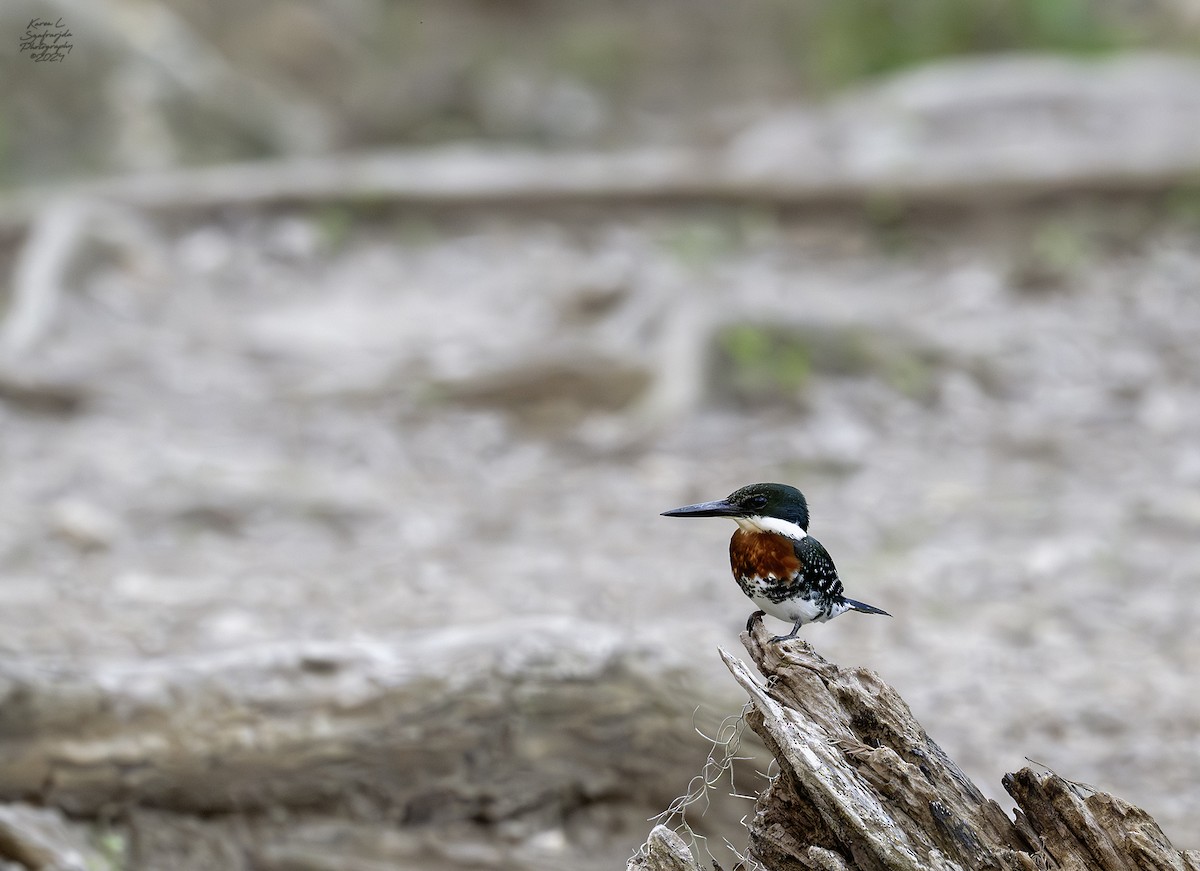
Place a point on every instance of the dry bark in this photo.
(862, 786)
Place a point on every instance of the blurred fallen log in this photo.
(965, 132)
(450, 748)
(488, 724)
(862, 786)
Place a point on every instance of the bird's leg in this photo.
(789, 636)
(757, 615)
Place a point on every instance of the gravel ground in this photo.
(303, 426)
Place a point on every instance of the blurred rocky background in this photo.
(348, 352)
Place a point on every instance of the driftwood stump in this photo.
(862, 786)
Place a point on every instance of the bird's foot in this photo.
(753, 618)
(795, 631)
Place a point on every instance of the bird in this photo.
(784, 570)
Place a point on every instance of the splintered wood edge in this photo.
(1112, 835)
(839, 793)
(668, 852)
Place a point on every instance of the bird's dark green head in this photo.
(754, 500)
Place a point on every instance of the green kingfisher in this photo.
(783, 569)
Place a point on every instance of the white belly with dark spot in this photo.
(791, 610)
(795, 610)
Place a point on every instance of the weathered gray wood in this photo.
(664, 851)
(885, 795)
(1081, 828)
(862, 786)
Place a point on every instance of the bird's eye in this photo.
(758, 501)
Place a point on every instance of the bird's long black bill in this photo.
(720, 508)
(865, 608)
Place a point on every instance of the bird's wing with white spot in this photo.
(819, 570)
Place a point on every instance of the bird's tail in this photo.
(865, 608)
